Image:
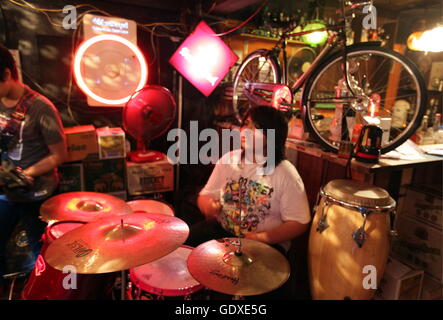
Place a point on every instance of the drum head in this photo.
(151, 206)
(358, 193)
(168, 276)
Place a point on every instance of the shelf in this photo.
(258, 37)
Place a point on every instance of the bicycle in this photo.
(375, 84)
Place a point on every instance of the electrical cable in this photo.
(30, 6)
(244, 22)
(149, 27)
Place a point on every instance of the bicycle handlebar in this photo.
(359, 4)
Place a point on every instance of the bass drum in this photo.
(349, 240)
(48, 283)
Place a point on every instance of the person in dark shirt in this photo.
(32, 142)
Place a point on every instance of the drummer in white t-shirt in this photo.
(240, 199)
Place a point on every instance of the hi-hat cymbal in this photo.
(258, 269)
(82, 206)
(117, 243)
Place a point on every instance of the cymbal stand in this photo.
(123, 272)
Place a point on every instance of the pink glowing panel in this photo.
(204, 59)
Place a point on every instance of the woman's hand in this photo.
(213, 209)
(285, 232)
(209, 206)
(257, 236)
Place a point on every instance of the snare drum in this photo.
(349, 239)
(151, 206)
(166, 277)
(46, 282)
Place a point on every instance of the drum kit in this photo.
(94, 240)
(104, 239)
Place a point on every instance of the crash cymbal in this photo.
(150, 206)
(257, 269)
(117, 243)
(82, 206)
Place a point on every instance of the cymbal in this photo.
(153, 206)
(258, 269)
(117, 243)
(82, 206)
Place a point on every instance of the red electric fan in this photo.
(146, 116)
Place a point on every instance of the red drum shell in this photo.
(46, 282)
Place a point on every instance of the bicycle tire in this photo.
(417, 98)
(239, 102)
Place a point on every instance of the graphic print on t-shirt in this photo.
(249, 196)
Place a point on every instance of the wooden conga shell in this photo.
(336, 262)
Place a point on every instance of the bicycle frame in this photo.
(334, 39)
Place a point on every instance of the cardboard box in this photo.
(432, 290)
(111, 143)
(71, 177)
(400, 282)
(81, 141)
(149, 177)
(424, 204)
(104, 176)
(419, 245)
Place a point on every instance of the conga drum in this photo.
(349, 240)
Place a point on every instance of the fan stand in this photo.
(142, 154)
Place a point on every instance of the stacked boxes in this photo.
(102, 167)
(99, 157)
(400, 282)
(111, 143)
(419, 225)
(149, 177)
(424, 204)
(105, 176)
(81, 141)
(71, 177)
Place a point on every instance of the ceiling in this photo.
(230, 6)
(402, 5)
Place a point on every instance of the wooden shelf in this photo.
(258, 37)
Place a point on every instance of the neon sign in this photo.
(84, 83)
(203, 59)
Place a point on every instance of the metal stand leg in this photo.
(11, 288)
(123, 288)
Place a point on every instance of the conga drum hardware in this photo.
(359, 235)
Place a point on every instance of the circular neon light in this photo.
(108, 37)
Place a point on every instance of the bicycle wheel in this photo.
(259, 66)
(375, 74)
